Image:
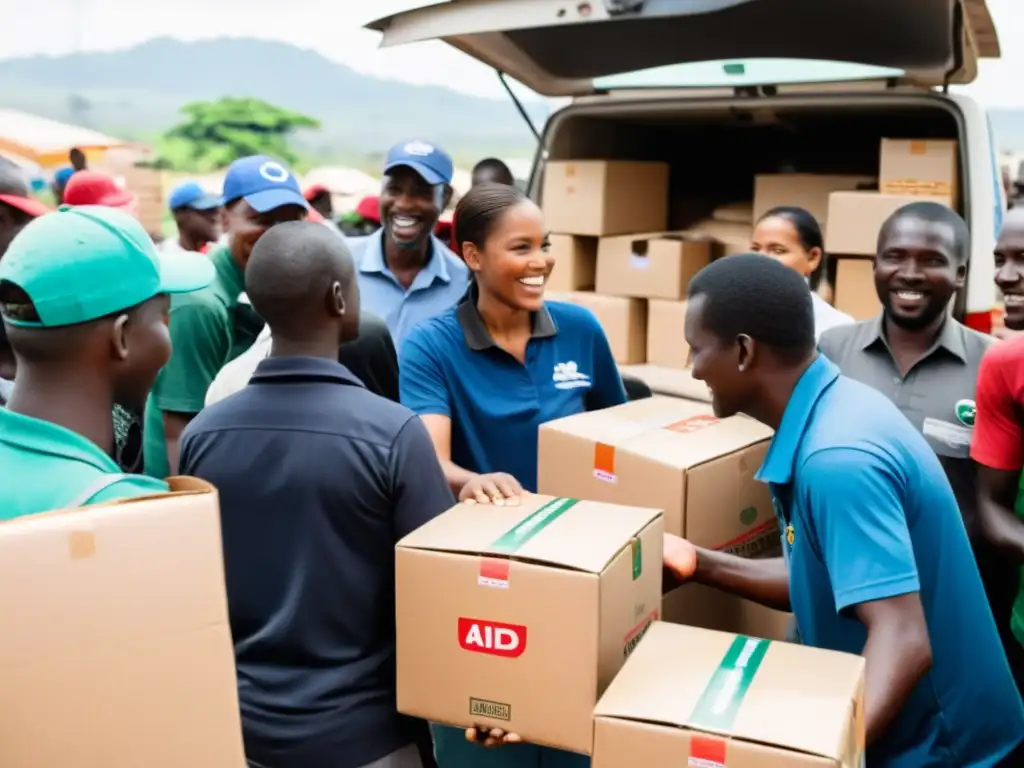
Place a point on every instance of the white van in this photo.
(726, 89)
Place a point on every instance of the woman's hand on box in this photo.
(680, 557)
(490, 737)
(497, 488)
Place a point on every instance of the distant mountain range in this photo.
(135, 93)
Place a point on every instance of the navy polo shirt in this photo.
(867, 514)
(318, 480)
(450, 366)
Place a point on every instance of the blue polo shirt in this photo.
(873, 516)
(318, 479)
(437, 288)
(450, 366)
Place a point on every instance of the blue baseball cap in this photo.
(428, 160)
(61, 175)
(190, 195)
(264, 183)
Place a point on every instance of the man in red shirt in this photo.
(998, 441)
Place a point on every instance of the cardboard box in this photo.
(650, 266)
(671, 382)
(754, 532)
(666, 340)
(855, 292)
(707, 608)
(855, 219)
(736, 213)
(519, 617)
(926, 167)
(605, 197)
(671, 454)
(731, 700)
(806, 190)
(575, 263)
(118, 652)
(728, 238)
(624, 321)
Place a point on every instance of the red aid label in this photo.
(479, 636)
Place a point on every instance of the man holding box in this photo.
(876, 559)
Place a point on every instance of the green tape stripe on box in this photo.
(638, 558)
(530, 526)
(723, 696)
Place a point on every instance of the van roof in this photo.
(564, 49)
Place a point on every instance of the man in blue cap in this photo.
(406, 274)
(197, 217)
(211, 327)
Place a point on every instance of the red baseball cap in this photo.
(369, 208)
(91, 188)
(315, 191)
(27, 205)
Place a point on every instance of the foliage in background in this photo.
(216, 133)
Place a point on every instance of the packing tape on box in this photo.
(722, 698)
(494, 572)
(917, 188)
(604, 454)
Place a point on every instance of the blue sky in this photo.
(50, 27)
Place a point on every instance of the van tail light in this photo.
(979, 321)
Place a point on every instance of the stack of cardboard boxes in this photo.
(617, 255)
(910, 170)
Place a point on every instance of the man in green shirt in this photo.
(83, 296)
(211, 327)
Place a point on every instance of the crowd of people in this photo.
(341, 390)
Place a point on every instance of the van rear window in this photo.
(733, 72)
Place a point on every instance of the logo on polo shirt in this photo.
(965, 412)
(274, 172)
(568, 376)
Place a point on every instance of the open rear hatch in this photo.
(560, 47)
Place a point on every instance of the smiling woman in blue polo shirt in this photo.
(485, 375)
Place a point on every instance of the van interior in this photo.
(715, 151)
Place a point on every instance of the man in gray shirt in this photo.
(921, 358)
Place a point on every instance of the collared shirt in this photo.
(439, 285)
(371, 358)
(866, 514)
(318, 479)
(208, 328)
(450, 366)
(936, 395)
(46, 467)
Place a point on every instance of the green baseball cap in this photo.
(86, 262)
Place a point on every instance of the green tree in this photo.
(216, 133)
